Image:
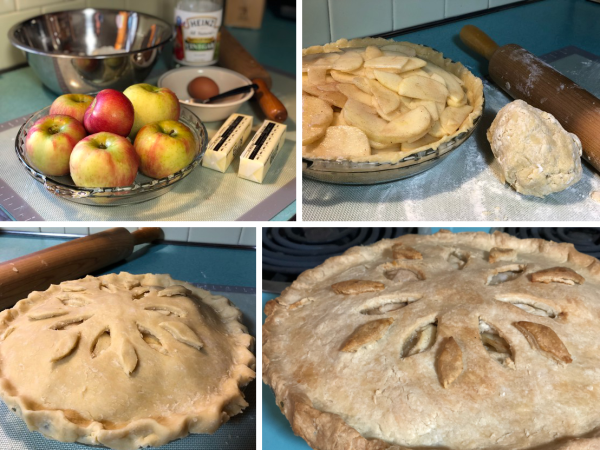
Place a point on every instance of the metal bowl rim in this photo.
(14, 41)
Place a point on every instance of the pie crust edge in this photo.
(328, 431)
(473, 84)
(144, 432)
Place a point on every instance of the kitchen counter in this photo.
(226, 271)
(463, 187)
(22, 93)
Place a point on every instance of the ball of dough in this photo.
(536, 154)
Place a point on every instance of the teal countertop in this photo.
(191, 263)
(540, 27)
(22, 93)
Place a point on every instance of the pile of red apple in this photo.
(104, 141)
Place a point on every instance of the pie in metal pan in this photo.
(124, 361)
(450, 341)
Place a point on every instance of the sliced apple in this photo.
(423, 88)
(426, 140)
(317, 115)
(409, 126)
(436, 77)
(351, 91)
(436, 130)
(340, 142)
(387, 99)
(387, 79)
(334, 98)
(325, 60)
(372, 52)
(309, 88)
(358, 73)
(388, 116)
(413, 63)
(338, 119)
(378, 147)
(348, 61)
(362, 83)
(329, 86)
(341, 77)
(408, 51)
(429, 104)
(454, 102)
(364, 117)
(316, 75)
(387, 62)
(453, 117)
(413, 73)
(453, 83)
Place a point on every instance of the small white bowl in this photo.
(178, 79)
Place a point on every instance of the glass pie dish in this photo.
(144, 188)
(365, 173)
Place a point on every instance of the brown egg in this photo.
(202, 88)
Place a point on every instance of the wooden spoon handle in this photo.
(478, 41)
(270, 105)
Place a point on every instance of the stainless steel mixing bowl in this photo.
(87, 50)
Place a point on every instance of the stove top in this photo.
(287, 252)
(585, 240)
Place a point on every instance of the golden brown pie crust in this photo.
(514, 364)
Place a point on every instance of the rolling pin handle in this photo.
(478, 41)
(270, 105)
(147, 235)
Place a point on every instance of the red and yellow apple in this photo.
(73, 105)
(151, 104)
(164, 148)
(50, 141)
(110, 111)
(104, 160)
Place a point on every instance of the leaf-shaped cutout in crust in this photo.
(72, 287)
(46, 313)
(151, 339)
(530, 304)
(420, 340)
(166, 309)
(140, 291)
(400, 272)
(126, 355)
(505, 273)
(7, 333)
(354, 287)
(449, 362)
(69, 323)
(496, 345)
(302, 302)
(72, 299)
(387, 303)
(400, 251)
(182, 333)
(501, 254)
(366, 334)
(172, 291)
(562, 275)
(100, 343)
(64, 345)
(458, 259)
(545, 340)
(109, 287)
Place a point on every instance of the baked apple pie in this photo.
(450, 341)
(374, 99)
(125, 361)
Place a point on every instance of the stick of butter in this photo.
(261, 151)
(226, 144)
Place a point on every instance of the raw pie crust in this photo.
(454, 341)
(471, 83)
(125, 361)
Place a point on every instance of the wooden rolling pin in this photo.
(523, 76)
(235, 57)
(68, 261)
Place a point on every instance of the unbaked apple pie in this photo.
(450, 341)
(125, 361)
(374, 99)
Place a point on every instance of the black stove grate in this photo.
(585, 240)
(287, 252)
